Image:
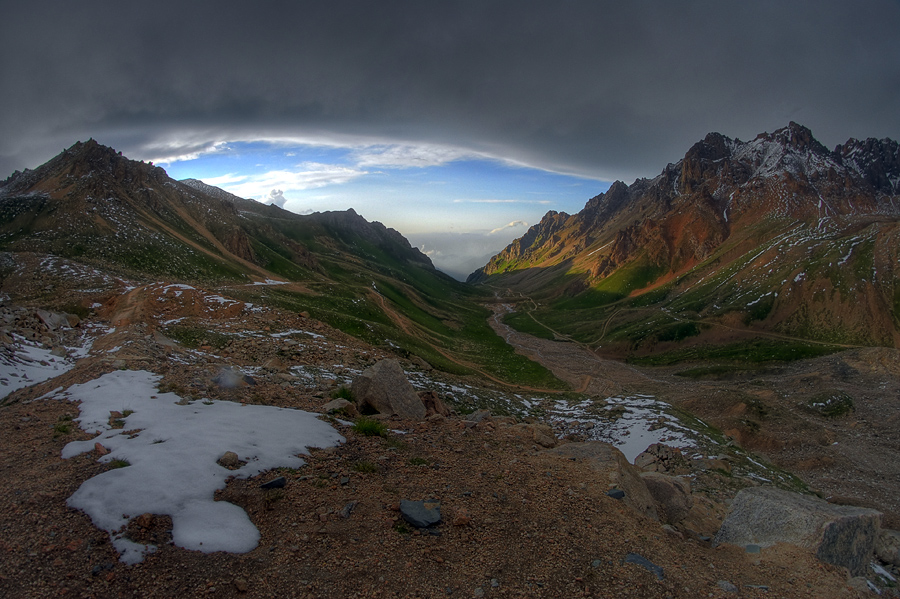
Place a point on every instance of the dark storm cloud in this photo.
(604, 89)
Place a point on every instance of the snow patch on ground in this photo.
(173, 459)
(630, 423)
(28, 365)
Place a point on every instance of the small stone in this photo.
(479, 592)
(616, 493)
(275, 483)
(144, 520)
(100, 449)
(229, 460)
(462, 517)
(421, 514)
(348, 509)
(727, 586)
(753, 548)
(241, 585)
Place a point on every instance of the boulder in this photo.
(338, 405)
(887, 547)
(613, 469)
(662, 458)
(840, 535)
(228, 378)
(385, 389)
(478, 416)
(672, 495)
(52, 320)
(433, 404)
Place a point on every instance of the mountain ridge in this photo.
(722, 202)
(130, 220)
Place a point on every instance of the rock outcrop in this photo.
(613, 469)
(385, 389)
(887, 547)
(672, 495)
(839, 535)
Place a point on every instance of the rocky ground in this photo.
(517, 520)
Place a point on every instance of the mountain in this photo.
(778, 235)
(93, 206)
(91, 202)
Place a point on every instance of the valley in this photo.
(731, 324)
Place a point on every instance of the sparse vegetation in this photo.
(195, 337)
(365, 467)
(63, 425)
(370, 427)
(831, 405)
(119, 463)
(342, 392)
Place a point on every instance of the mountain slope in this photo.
(778, 235)
(92, 205)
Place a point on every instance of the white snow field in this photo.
(173, 459)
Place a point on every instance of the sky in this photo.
(458, 123)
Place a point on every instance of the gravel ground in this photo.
(517, 522)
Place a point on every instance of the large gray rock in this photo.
(672, 495)
(385, 388)
(613, 469)
(52, 320)
(887, 547)
(839, 535)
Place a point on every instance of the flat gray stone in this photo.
(421, 514)
(634, 558)
(275, 483)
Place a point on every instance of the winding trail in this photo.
(401, 322)
(570, 361)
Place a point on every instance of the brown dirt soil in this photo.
(517, 522)
(538, 525)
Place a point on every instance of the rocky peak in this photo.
(796, 137)
(87, 161)
(876, 160)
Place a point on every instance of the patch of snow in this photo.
(298, 331)
(29, 364)
(882, 572)
(645, 421)
(172, 459)
(268, 282)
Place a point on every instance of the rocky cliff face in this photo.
(779, 231)
(721, 186)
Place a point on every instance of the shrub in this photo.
(370, 427)
(342, 392)
(63, 425)
(365, 467)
